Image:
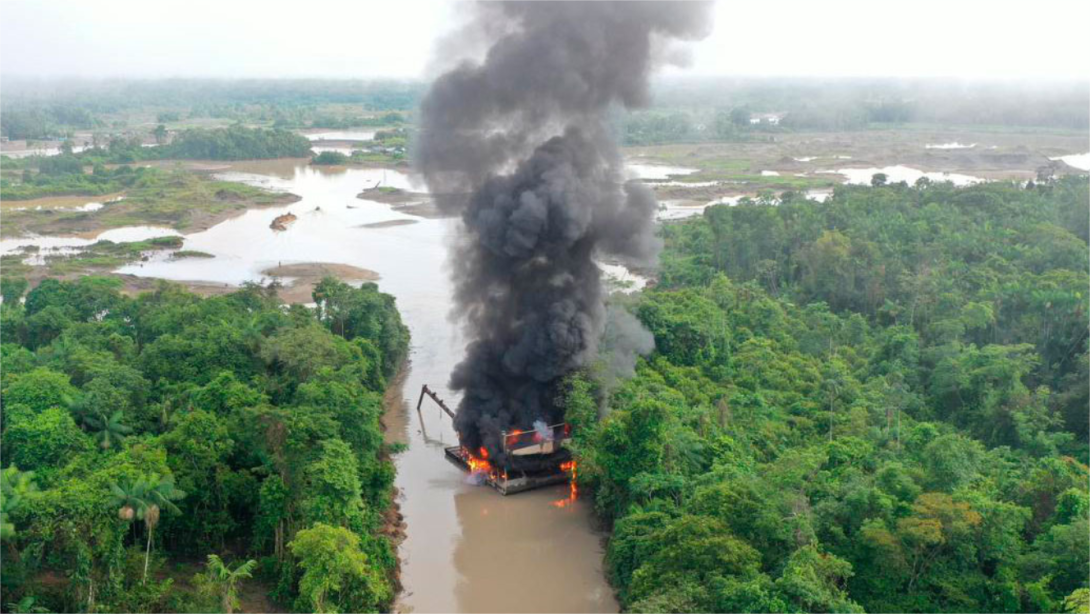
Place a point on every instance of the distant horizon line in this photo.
(1085, 80)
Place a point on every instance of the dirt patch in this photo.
(58, 202)
(321, 269)
(306, 275)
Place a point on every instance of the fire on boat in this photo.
(532, 458)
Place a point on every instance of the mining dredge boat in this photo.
(534, 458)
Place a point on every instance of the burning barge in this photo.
(533, 458)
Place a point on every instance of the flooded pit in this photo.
(894, 174)
(1079, 161)
(657, 172)
(951, 145)
(340, 135)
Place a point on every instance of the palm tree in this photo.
(144, 499)
(15, 485)
(108, 431)
(224, 581)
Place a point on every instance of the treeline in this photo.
(63, 175)
(837, 104)
(234, 143)
(40, 108)
(660, 126)
(117, 95)
(874, 403)
(142, 434)
(327, 120)
(56, 120)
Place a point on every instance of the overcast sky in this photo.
(394, 38)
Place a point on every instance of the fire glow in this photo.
(481, 466)
(478, 464)
(574, 492)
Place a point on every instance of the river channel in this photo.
(467, 548)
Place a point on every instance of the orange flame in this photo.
(574, 493)
(513, 438)
(478, 463)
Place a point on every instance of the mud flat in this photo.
(731, 168)
(61, 202)
(410, 203)
(322, 269)
(305, 275)
(389, 224)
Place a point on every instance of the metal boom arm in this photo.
(428, 391)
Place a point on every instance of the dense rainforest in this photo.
(159, 450)
(236, 142)
(65, 173)
(874, 403)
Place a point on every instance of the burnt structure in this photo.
(530, 459)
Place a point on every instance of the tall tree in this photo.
(144, 499)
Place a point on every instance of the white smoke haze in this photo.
(544, 433)
(624, 340)
(518, 144)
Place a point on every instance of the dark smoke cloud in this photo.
(518, 144)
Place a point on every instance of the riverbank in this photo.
(305, 275)
(176, 199)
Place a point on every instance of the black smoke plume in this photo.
(519, 144)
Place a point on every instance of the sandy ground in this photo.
(306, 275)
(411, 203)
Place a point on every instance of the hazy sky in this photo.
(394, 38)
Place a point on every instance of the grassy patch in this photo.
(178, 199)
(109, 255)
(190, 253)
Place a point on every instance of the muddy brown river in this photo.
(467, 548)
